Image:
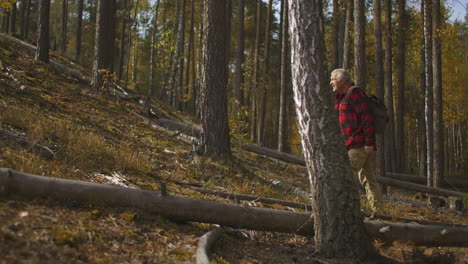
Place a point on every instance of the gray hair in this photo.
(342, 74)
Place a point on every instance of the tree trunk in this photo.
(24, 5)
(265, 82)
(401, 65)
(28, 15)
(215, 131)
(13, 19)
(180, 57)
(360, 44)
(254, 101)
(390, 132)
(283, 104)
(339, 230)
(104, 43)
(347, 36)
(42, 51)
(78, 30)
(429, 88)
(437, 74)
(63, 44)
(421, 122)
(239, 90)
(151, 86)
(190, 56)
(335, 33)
(122, 39)
(379, 81)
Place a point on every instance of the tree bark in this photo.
(28, 15)
(438, 112)
(190, 57)
(339, 230)
(347, 36)
(335, 33)
(360, 44)
(401, 65)
(379, 81)
(104, 43)
(13, 19)
(235, 216)
(421, 122)
(390, 133)
(265, 82)
(215, 140)
(239, 90)
(42, 50)
(122, 39)
(429, 101)
(79, 24)
(154, 31)
(283, 103)
(254, 101)
(63, 43)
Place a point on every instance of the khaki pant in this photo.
(363, 166)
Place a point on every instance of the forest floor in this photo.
(98, 138)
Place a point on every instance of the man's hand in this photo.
(369, 149)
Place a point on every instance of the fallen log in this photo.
(456, 183)
(275, 154)
(419, 188)
(245, 197)
(204, 245)
(236, 216)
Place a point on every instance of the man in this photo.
(357, 127)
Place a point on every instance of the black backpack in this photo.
(378, 109)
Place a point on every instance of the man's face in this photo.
(337, 85)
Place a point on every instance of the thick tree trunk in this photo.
(265, 82)
(437, 70)
(283, 103)
(339, 230)
(215, 140)
(180, 58)
(104, 45)
(236, 216)
(42, 51)
(79, 24)
(401, 65)
(390, 132)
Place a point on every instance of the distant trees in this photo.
(169, 48)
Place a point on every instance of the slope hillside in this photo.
(54, 124)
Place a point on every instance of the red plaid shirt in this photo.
(356, 120)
